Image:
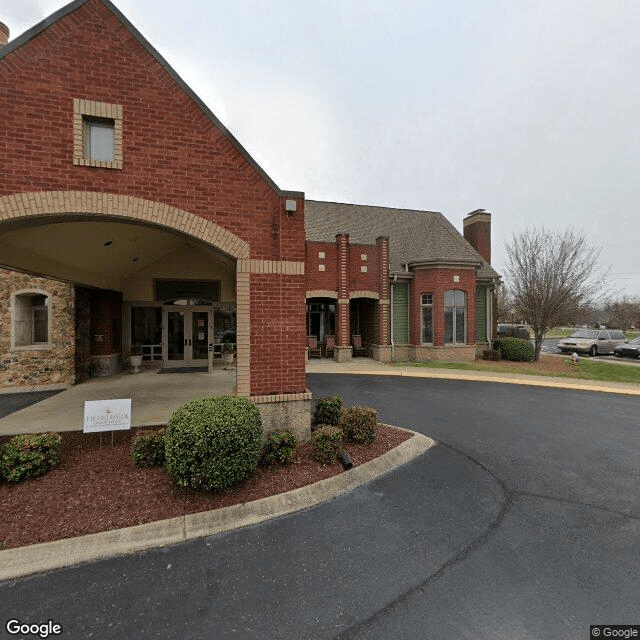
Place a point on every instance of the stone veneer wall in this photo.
(26, 367)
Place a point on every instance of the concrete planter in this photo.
(135, 362)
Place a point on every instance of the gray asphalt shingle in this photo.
(414, 236)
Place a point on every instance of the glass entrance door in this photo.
(186, 334)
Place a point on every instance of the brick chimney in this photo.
(4, 34)
(477, 232)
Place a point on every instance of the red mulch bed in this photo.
(97, 488)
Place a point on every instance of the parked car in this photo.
(513, 331)
(631, 349)
(592, 341)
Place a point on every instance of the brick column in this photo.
(342, 352)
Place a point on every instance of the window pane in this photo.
(449, 298)
(427, 324)
(448, 325)
(100, 141)
(460, 325)
(459, 299)
(40, 333)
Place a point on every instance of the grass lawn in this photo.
(548, 366)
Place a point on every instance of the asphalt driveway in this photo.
(522, 523)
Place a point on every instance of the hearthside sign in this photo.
(107, 415)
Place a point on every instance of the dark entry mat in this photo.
(185, 370)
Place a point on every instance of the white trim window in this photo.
(426, 314)
(30, 320)
(455, 317)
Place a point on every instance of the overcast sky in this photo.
(529, 109)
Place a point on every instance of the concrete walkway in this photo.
(154, 397)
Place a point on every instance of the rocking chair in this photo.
(312, 346)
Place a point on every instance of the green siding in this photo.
(481, 314)
(401, 313)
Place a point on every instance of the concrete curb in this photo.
(621, 388)
(24, 561)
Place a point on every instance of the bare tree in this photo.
(623, 313)
(505, 304)
(550, 275)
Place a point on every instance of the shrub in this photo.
(29, 456)
(279, 448)
(359, 424)
(212, 443)
(515, 349)
(491, 354)
(326, 443)
(327, 410)
(147, 448)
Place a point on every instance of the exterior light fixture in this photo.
(290, 206)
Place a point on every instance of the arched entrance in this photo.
(134, 249)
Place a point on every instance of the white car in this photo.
(592, 341)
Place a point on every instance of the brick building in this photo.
(141, 219)
(405, 281)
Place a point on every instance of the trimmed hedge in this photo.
(147, 448)
(213, 443)
(326, 443)
(516, 349)
(359, 423)
(29, 456)
(279, 448)
(327, 410)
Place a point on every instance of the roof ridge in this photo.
(373, 206)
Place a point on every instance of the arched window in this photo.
(30, 320)
(455, 317)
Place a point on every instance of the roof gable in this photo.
(14, 46)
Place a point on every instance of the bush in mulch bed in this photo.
(327, 411)
(29, 456)
(359, 423)
(327, 443)
(279, 448)
(213, 443)
(147, 448)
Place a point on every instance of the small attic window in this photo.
(99, 139)
(97, 134)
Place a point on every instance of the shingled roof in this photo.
(414, 236)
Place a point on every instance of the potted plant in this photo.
(135, 358)
(227, 354)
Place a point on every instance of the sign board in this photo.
(107, 415)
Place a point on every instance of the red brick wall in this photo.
(172, 154)
(326, 280)
(277, 335)
(369, 281)
(437, 281)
